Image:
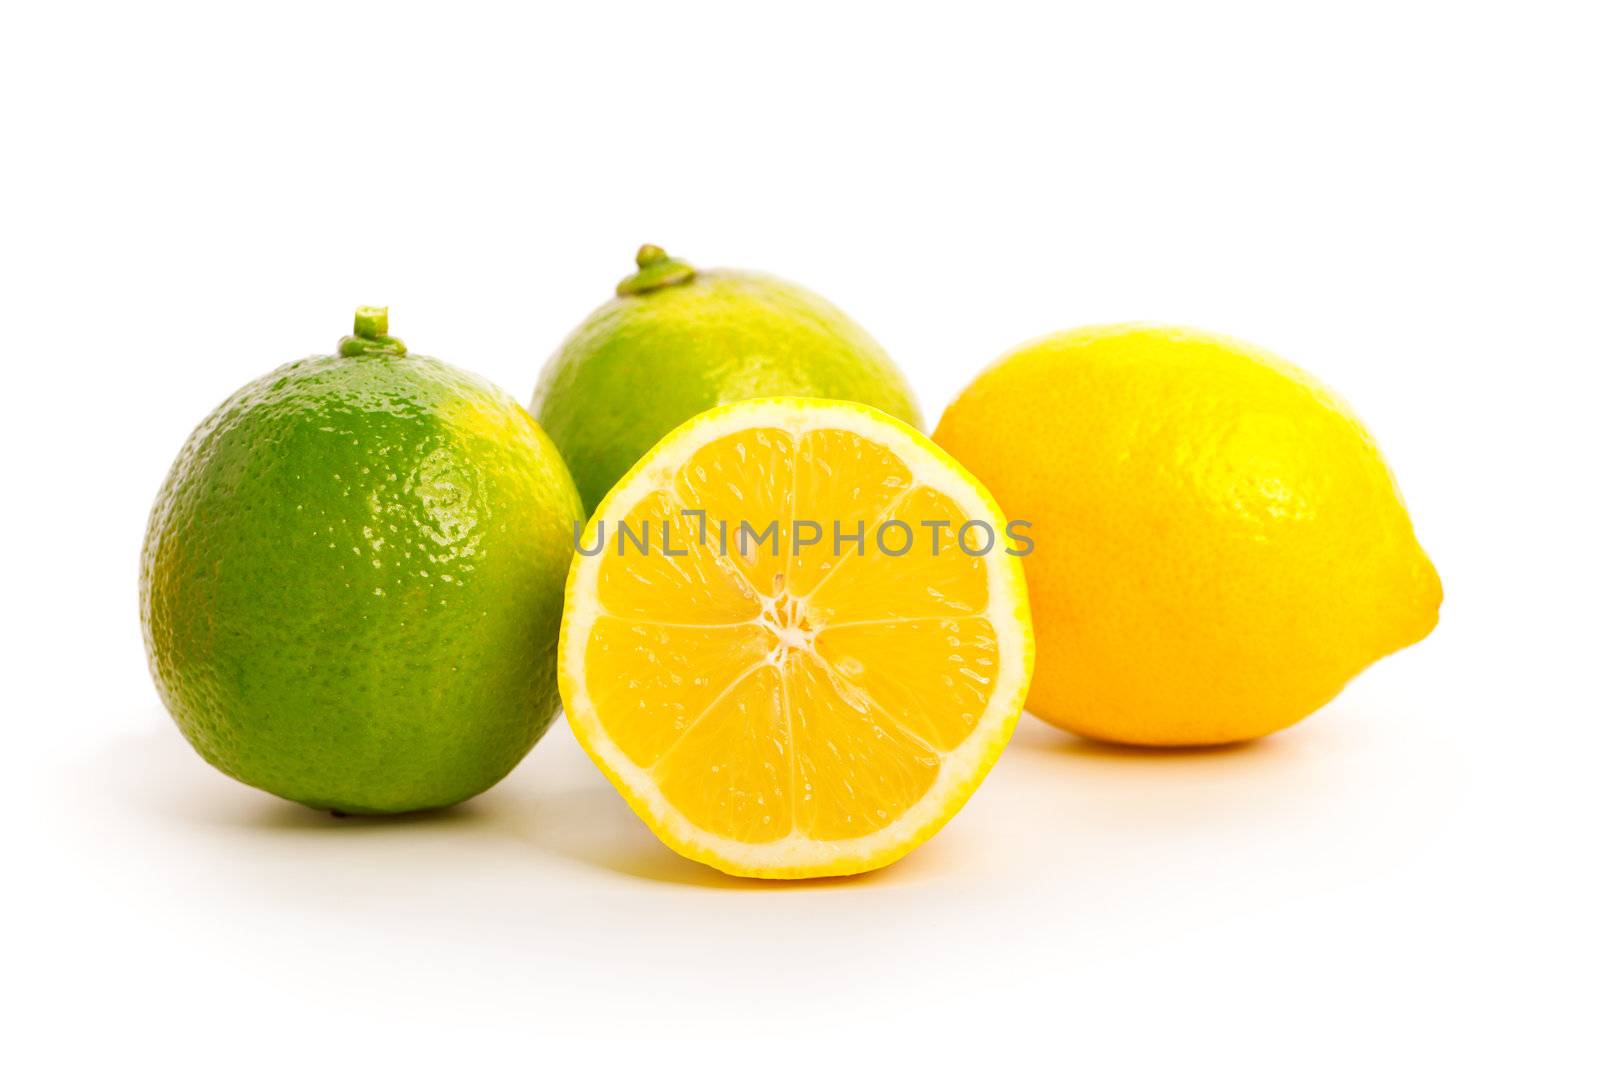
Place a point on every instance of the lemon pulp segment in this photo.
(796, 660)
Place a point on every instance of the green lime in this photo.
(676, 341)
(352, 580)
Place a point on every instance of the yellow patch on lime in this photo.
(772, 696)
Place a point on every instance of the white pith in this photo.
(960, 769)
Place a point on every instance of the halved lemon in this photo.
(796, 638)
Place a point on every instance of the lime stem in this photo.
(371, 335)
(657, 270)
(372, 322)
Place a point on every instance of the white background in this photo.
(1400, 197)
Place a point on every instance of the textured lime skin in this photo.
(642, 364)
(352, 581)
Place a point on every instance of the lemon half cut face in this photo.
(779, 680)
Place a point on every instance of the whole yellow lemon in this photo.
(1218, 546)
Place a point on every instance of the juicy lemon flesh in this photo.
(782, 694)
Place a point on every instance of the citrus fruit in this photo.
(676, 341)
(774, 700)
(1219, 546)
(351, 583)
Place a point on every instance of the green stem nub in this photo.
(372, 322)
(657, 270)
(371, 336)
